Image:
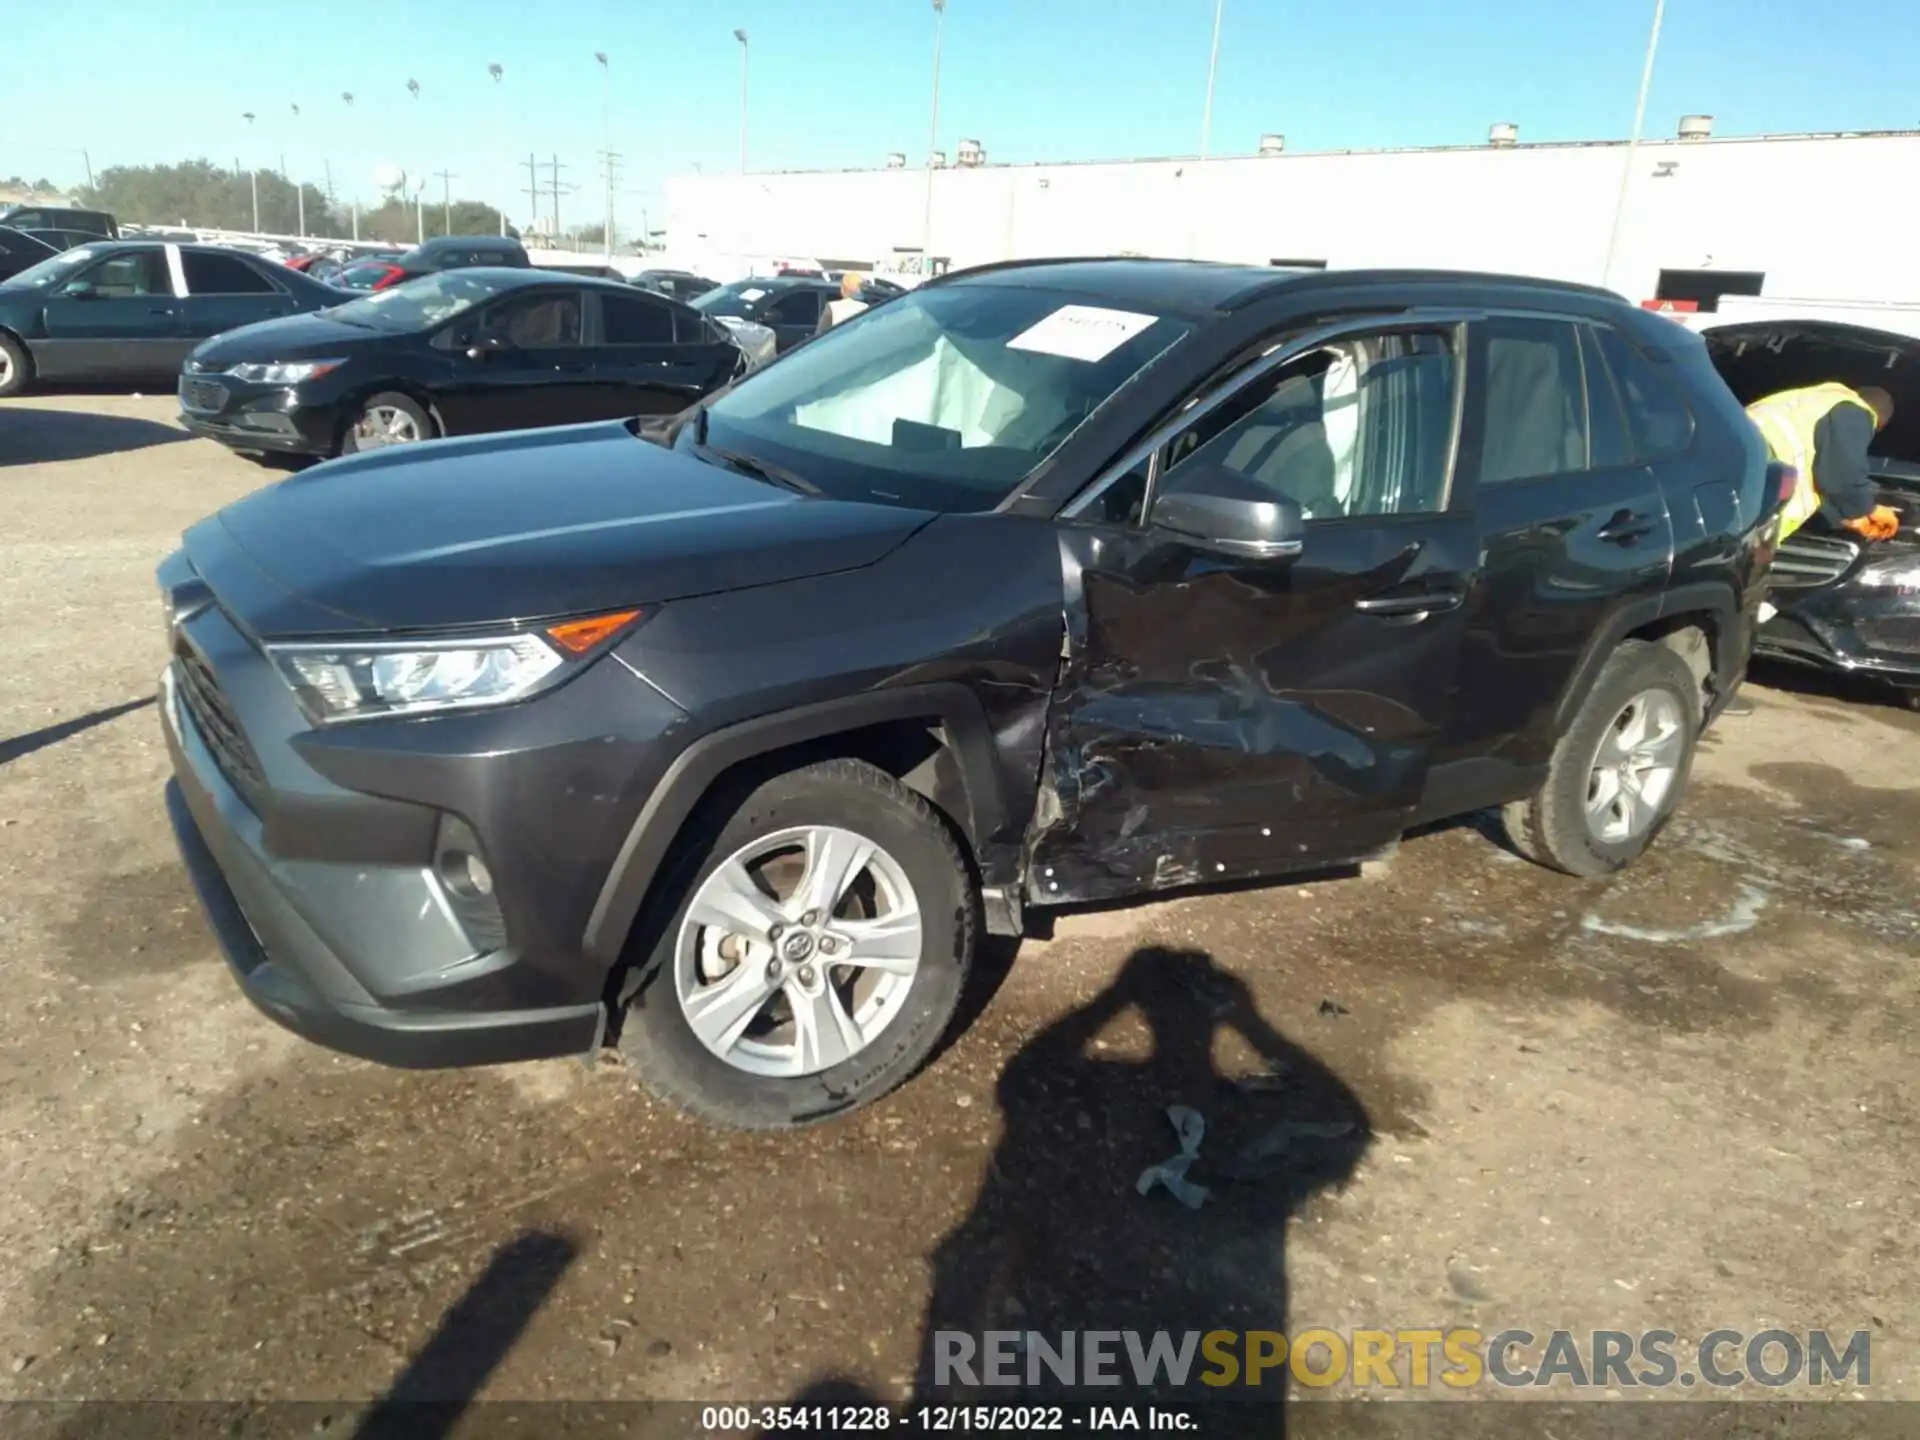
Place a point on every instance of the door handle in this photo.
(160, 310)
(1420, 605)
(1625, 527)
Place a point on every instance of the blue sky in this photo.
(843, 84)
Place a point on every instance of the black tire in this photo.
(388, 399)
(17, 374)
(673, 1062)
(1551, 826)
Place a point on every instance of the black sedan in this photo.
(133, 310)
(788, 305)
(21, 250)
(456, 353)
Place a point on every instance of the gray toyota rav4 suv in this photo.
(1045, 583)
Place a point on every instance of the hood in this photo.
(1762, 356)
(522, 526)
(311, 336)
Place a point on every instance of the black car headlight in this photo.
(360, 680)
(283, 372)
(1899, 573)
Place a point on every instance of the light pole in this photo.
(741, 36)
(299, 190)
(353, 203)
(1633, 144)
(253, 172)
(1213, 64)
(498, 74)
(933, 138)
(606, 132)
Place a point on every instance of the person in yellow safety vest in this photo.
(1823, 431)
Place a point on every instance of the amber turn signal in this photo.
(576, 637)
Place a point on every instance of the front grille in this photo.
(1895, 634)
(213, 717)
(1804, 561)
(203, 394)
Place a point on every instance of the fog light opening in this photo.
(466, 874)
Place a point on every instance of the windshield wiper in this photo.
(752, 465)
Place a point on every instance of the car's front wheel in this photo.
(388, 418)
(1618, 773)
(817, 952)
(16, 366)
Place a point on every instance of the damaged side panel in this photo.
(1223, 719)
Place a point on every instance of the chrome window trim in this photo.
(1149, 448)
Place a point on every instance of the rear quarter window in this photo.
(1657, 416)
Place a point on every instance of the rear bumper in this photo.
(254, 902)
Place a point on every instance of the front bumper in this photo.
(257, 417)
(1847, 628)
(326, 897)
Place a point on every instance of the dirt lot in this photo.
(1684, 1099)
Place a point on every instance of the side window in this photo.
(211, 274)
(130, 274)
(542, 321)
(1359, 426)
(796, 307)
(630, 321)
(1609, 444)
(1533, 401)
(692, 328)
(1657, 417)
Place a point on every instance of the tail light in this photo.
(393, 276)
(1789, 479)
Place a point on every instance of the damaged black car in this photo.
(1840, 603)
(1041, 584)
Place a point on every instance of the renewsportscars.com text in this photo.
(1401, 1359)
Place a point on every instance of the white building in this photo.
(1704, 215)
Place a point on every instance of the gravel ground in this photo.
(1682, 1099)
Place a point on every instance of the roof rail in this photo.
(1337, 279)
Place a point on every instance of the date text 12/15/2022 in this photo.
(943, 1419)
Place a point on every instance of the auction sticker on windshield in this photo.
(1081, 332)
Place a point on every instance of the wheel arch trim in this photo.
(1710, 600)
(981, 812)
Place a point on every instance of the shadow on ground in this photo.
(19, 746)
(30, 436)
(1061, 1239)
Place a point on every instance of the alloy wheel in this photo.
(1635, 767)
(6, 369)
(797, 950)
(381, 425)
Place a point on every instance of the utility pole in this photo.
(741, 36)
(1633, 145)
(1213, 64)
(933, 139)
(556, 198)
(533, 192)
(446, 200)
(606, 132)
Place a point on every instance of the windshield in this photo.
(943, 399)
(739, 300)
(56, 267)
(419, 303)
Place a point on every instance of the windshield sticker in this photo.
(1081, 332)
(751, 295)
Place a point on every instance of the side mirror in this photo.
(1213, 509)
(482, 346)
(81, 290)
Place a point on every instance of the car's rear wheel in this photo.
(817, 952)
(388, 418)
(1619, 772)
(16, 366)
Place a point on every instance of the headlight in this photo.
(358, 681)
(1898, 573)
(283, 372)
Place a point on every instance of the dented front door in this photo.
(1219, 718)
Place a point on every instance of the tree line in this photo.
(201, 195)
